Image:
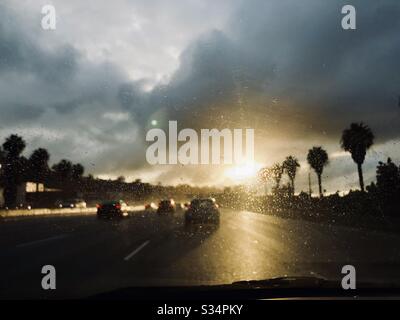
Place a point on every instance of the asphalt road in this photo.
(92, 256)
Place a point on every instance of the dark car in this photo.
(202, 211)
(166, 207)
(71, 203)
(112, 209)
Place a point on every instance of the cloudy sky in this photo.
(89, 90)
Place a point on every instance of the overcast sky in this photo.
(89, 90)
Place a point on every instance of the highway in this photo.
(93, 256)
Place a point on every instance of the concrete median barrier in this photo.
(61, 211)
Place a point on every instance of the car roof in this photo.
(200, 202)
(112, 201)
(203, 200)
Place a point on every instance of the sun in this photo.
(243, 172)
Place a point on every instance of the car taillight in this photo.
(118, 206)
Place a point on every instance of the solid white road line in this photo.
(136, 250)
(32, 243)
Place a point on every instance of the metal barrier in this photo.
(61, 211)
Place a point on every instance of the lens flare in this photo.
(243, 172)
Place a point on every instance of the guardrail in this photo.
(61, 211)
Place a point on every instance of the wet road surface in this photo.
(93, 256)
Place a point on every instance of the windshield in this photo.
(277, 120)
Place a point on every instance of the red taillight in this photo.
(118, 206)
(98, 206)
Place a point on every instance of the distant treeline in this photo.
(70, 178)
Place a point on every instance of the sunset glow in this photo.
(241, 173)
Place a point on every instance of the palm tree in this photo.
(63, 170)
(357, 140)
(264, 175)
(77, 171)
(13, 168)
(388, 177)
(318, 159)
(2, 159)
(277, 172)
(39, 166)
(13, 146)
(2, 155)
(290, 166)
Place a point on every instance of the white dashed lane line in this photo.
(41, 241)
(129, 256)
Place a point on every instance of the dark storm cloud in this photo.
(56, 98)
(212, 77)
(20, 53)
(20, 113)
(338, 75)
(35, 77)
(330, 75)
(290, 65)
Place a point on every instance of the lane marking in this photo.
(31, 243)
(136, 250)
